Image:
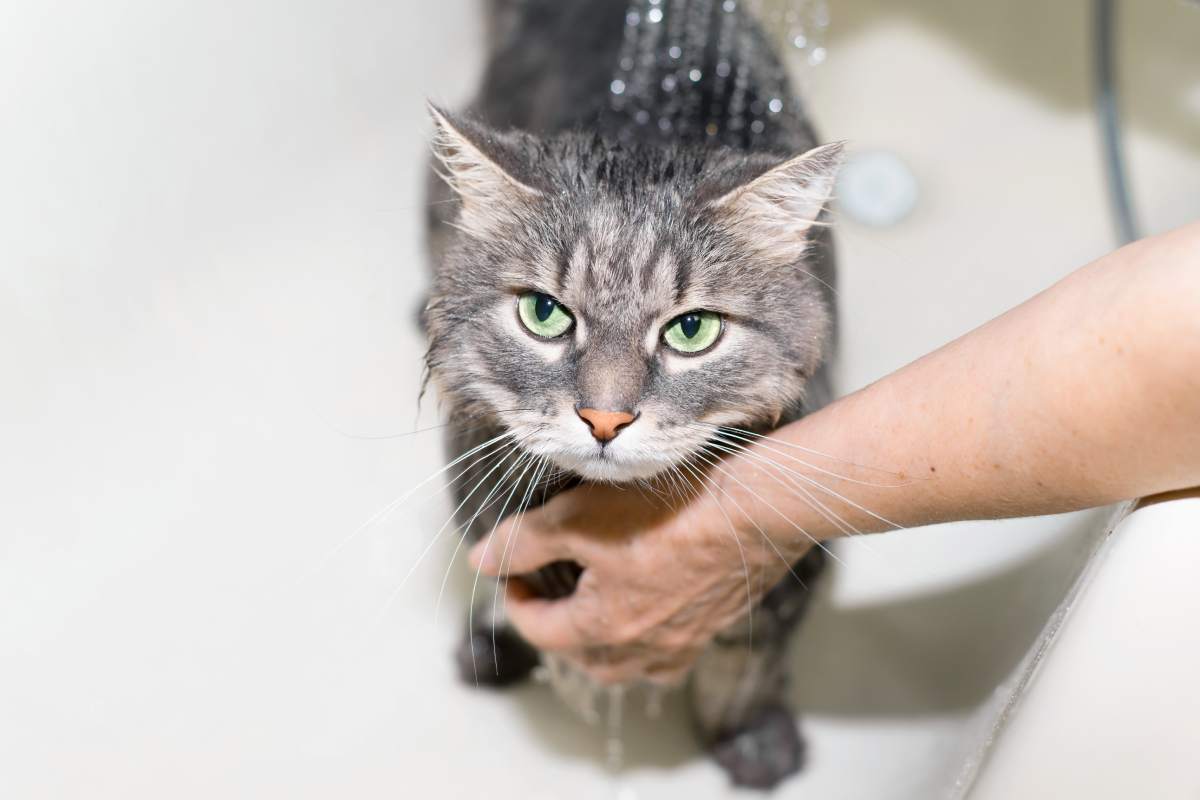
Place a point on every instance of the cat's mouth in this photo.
(608, 466)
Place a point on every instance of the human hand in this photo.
(660, 579)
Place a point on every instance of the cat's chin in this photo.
(611, 470)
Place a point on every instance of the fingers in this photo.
(614, 666)
(546, 624)
(564, 529)
(565, 627)
(520, 544)
(617, 666)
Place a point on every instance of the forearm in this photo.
(1087, 394)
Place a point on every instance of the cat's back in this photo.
(550, 64)
(692, 72)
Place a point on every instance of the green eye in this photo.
(543, 315)
(694, 332)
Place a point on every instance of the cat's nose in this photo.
(605, 425)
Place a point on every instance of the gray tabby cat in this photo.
(607, 282)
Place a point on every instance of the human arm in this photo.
(1088, 393)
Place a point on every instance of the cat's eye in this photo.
(543, 315)
(693, 332)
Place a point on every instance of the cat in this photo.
(617, 262)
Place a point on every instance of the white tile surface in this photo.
(209, 259)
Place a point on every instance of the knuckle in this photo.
(667, 677)
(628, 633)
(676, 640)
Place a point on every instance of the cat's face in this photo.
(608, 306)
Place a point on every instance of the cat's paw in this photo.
(763, 752)
(495, 658)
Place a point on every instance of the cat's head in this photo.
(607, 302)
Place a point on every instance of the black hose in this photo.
(1109, 117)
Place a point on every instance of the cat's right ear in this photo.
(480, 166)
(778, 209)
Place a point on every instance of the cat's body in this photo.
(558, 189)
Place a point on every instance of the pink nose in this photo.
(605, 425)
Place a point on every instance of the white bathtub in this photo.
(210, 251)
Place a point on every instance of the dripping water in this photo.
(696, 39)
(604, 708)
(670, 45)
(614, 745)
(654, 696)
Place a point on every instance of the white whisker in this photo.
(769, 443)
(741, 552)
(392, 506)
(793, 446)
(818, 485)
(717, 466)
(792, 479)
(762, 534)
(527, 459)
(396, 592)
(437, 536)
(465, 528)
(522, 507)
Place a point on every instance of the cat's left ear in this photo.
(778, 209)
(481, 166)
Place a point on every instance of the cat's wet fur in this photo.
(542, 186)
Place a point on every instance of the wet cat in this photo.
(629, 256)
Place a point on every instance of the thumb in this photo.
(521, 544)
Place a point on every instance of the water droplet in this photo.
(757, 126)
(729, 6)
(654, 696)
(668, 83)
(641, 117)
(664, 125)
(817, 56)
(776, 105)
(695, 75)
(800, 42)
(618, 86)
(627, 63)
(614, 746)
(615, 754)
(655, 16)
(723, 69)
(676, 52)
(633, 19)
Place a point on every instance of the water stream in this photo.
(669, 44)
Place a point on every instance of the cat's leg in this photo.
(492, 654)
(737, 689)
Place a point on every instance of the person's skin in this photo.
(1085, 395)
